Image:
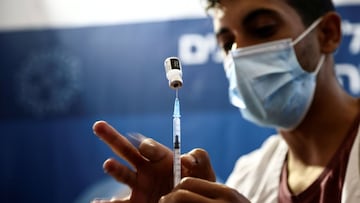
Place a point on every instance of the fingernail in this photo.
(151, 150)
(135, 138)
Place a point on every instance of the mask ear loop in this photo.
(306, 32)
(320, 64)
(303, 35)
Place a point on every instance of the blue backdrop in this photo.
(55, 83)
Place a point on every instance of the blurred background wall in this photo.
(65, 64)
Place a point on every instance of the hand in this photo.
(194, 190)
(152, 176)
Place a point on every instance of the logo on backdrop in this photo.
(352, 30)
(48, 82)
(349, 71)
(197, 49)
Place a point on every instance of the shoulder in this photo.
(351, 192)
(272, 145)
(258, 172)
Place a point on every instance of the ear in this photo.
(329, 32)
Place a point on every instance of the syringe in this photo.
(176, 140)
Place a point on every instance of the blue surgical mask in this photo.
(268, 85)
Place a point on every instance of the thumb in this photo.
(197, 164)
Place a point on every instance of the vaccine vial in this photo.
(173, 72)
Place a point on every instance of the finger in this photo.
(109, 201)
(120, 172)
(154, 151)
(211, 190)
(197, 164)
(183, 196)
(200, 186)
(118, 143)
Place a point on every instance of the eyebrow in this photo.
(259, 12)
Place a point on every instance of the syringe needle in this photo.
(176, 140)
(176, 107)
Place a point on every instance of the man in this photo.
(281, 73)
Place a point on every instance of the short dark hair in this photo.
(309, 10)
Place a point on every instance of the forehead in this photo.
(233, 11)
(246, 4)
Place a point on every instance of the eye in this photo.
(262, 24)
(264, 31)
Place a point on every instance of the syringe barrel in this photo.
(176, 132)
(177, 167)
(177, 148)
